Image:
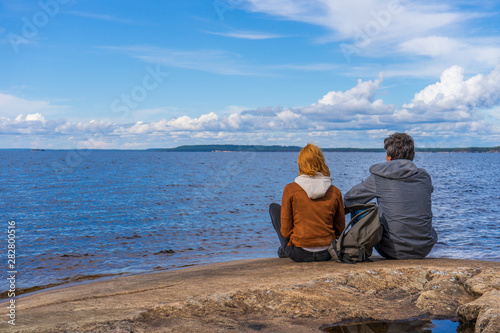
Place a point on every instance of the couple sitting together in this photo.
(312, 214)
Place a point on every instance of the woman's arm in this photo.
(339, 218)
(286, 214)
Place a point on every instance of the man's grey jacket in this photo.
(403, 193)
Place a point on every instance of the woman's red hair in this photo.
(311, 161)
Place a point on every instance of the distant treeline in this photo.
(275, 148)
(461, 150)
(212, 148)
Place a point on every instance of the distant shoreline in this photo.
(259, 148)
(275, 148)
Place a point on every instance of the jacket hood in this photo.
(315, 186)
(395, 169)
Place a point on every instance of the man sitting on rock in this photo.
(403, 193)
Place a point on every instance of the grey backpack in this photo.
(360, 235)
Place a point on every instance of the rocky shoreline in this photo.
(269, 295)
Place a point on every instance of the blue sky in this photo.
(147, 74)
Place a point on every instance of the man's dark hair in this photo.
(400, 146)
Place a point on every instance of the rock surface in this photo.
(269, 295)
(485, 311)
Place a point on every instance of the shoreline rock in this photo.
(269, 295)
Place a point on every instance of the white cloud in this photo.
(436, 35)
(379, 20)
(453, 107)
(12, 105)
(207, 121)
(154, 113)
(247, 35)
(320, 67)
(210, 135)
(36, 123)
(288, 119)
(453, 98)
(207, 60)
(360, 99)
(357, 106)
(432, 46)
(100, 144)
(234, 121)
(102, 17)
(216, 61)
(31, 117)
(437, 52)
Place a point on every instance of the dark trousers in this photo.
(293, 252)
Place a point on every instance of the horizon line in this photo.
(238, 145)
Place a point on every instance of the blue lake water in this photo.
(127, 212)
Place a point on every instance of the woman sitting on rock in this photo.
(311, 214)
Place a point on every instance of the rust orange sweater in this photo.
(311, 222)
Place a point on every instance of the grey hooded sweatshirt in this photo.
(403, 193)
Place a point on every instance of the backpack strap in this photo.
(366, 209)
(359, 207)
(339, 256)
(362, 254)
(347, 259)
(333, 251)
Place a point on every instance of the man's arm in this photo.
(361, 193)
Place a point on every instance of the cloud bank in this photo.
(453, 107)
